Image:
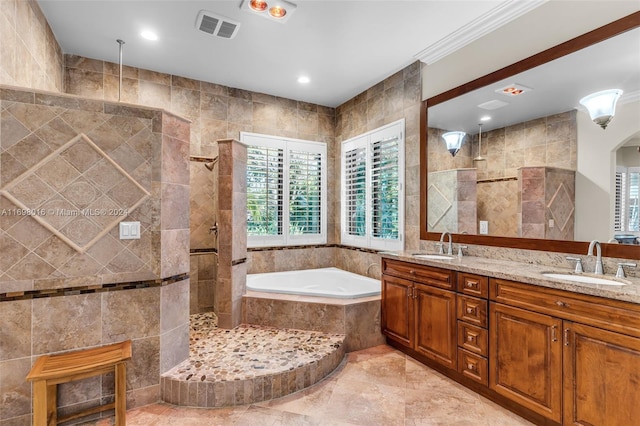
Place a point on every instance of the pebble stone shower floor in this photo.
(248, 350)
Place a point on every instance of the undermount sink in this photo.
(433, 256)
(583, 279)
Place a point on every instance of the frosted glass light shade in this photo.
(602, 105)
(454, 141)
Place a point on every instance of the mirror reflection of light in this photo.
(454, 141)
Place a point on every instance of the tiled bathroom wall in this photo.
(71, 170)
(547, 207)
(29, 53)
(453, 201)
(216, 112)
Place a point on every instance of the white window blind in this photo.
(286, 191)
(373, 188)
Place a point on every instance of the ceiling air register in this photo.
(217, 25)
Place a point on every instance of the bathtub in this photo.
(323, 282)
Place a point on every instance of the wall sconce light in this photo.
(602, 105)
(454, 141)
(275, 10)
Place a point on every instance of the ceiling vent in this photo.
(217, 25)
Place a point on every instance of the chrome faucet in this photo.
(598, 269)
(450, 247)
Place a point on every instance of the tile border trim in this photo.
(90, 289)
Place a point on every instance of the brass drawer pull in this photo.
(470, 338)
(470, 310)
(562, 304)
(554, 334)
(471, 367)
(472, 284)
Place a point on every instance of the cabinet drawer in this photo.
(473, 285)
(473, 366)
(437, 277)
(473, 338)
(614, 315)
(472, 310)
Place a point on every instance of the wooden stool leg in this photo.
(121, 394)
(44, 404)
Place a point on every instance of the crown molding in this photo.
(486, 23)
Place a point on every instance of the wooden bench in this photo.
(51, 370)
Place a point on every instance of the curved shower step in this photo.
(248, 364)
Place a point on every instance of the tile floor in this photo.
(376, 386)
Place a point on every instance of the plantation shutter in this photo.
(355, 190)
(264, 190)
(372, 198)
(384, 188)
(620, 196)
(305, 192)
(633, 206)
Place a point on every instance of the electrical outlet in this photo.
(551, 223)
(484, 227)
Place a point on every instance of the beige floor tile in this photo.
(377, 386)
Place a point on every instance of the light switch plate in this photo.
(484, 227)
(129, 230)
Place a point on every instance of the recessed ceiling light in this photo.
(485, 118)
(304, 79)
(149, 35)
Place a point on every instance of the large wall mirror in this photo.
(534, 171)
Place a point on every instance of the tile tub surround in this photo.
(248, 364)
(357, 319)
(57, 298)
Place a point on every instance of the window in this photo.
(373, 188)
(286, 191)
(627, 213)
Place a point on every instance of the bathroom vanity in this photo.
(554, 351)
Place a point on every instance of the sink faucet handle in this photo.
(620, 272)
(440, 248)
(578, 269)
(460, 253)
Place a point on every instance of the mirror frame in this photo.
(563, 246)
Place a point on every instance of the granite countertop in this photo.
(530, 274)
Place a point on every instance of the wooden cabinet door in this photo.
(601, 377)
(397, 310)
(525, 358)
(435, 318)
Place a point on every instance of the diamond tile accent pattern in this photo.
(87, 209)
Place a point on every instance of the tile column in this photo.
(232, 232)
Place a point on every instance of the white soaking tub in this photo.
(323, 282)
